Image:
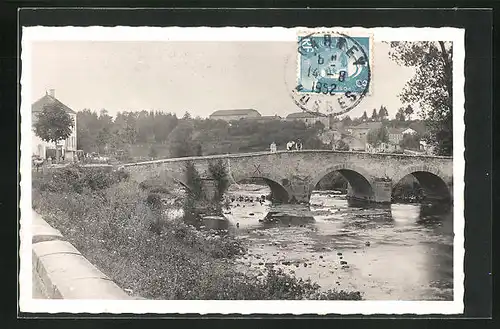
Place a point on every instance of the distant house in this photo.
(45, 149)
(396, 135)
(309, 119)
(230, 115)
(361, 131)
(382, 147)
(409, 131)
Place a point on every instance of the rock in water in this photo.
(367, 243)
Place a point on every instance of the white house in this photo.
(408, 131)
(46, 149)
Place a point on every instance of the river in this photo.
(394, 252)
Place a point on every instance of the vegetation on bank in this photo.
(121, 227)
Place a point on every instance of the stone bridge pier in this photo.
(292, 176)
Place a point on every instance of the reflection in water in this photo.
(398, 251)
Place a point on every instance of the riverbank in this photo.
(118, 227)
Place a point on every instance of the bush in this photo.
(77, 179)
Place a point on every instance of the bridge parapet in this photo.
(296, 173)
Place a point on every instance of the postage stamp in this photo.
(334, 71)
(333, 63)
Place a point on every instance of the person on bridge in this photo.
(298, 145)
(289, 145)
(273, 147)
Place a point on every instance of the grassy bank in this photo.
(121, 228)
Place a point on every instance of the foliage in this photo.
(377, 136)
(319, 126)
(410, 142)
(430, 87)
(97, 133)
(193, 181)
(181, 141)
(408, 111)
(153, 153)
(342, 146)
(53, 123)
(346, 121)
(383, 113)
(218, 172)
(77, 179)
(172, 137)
(400, 115)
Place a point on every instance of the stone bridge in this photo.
(293, 175)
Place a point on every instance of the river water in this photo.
(396, 252)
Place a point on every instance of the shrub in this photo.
(219, 174)
(74, 178)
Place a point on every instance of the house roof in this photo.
(396, 130)
(407, 130)
(49, 100)
(301, 115)
(222, 113)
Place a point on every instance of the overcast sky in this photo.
(199, 77)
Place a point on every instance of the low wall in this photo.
(61, 272)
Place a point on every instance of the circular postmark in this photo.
(333, 72)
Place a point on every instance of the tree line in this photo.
(166, 135)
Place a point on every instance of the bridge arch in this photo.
(164, 178)
(359, 179)
(433, 182)
(279, 192)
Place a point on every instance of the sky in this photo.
(199, 77)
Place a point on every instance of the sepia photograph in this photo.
(242, 170)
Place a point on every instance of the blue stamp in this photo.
(332, 64)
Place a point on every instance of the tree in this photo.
(377, 136)
(342, 145)
(53, 124)
(430, 87)
(382, 113)
(408, 112)
(374, 115)
(400, 115)
(346, 121)
(319, 126)
(364, 117)
(410, 141)
(153, 153)
(181, 140)
(186, 116)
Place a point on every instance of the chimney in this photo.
(52, 92)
